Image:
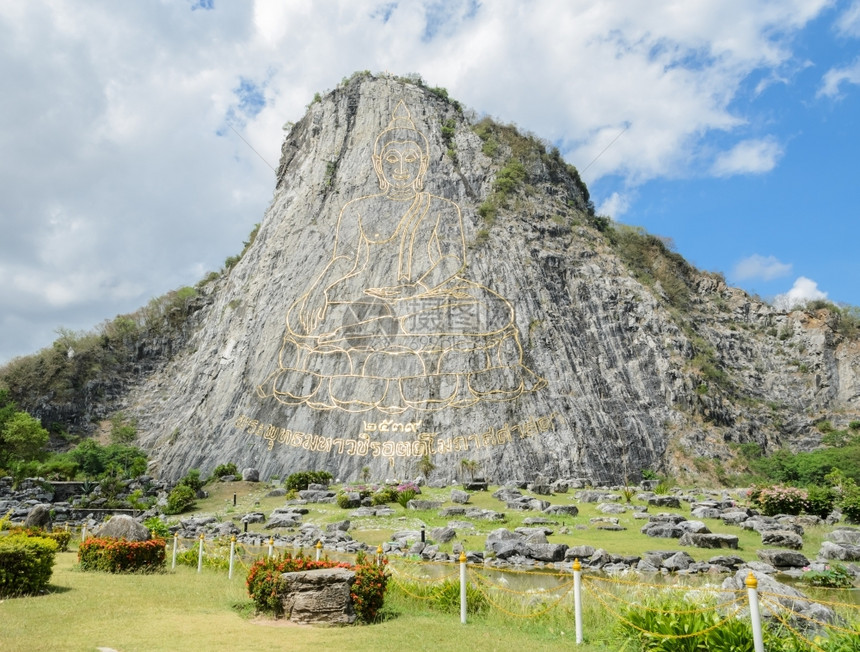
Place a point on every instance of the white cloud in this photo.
(835, 77)
(748, 157)
(118, 127)
(614, 206)
(757, 266)
(848, 24)
(802, 292)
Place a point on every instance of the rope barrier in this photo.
(421, 579)
(675, 612)
(666, 636)
(549, 607)
(399, 585)
(794, 598)
(675, 587)
(776, 615)
(818, 622)
(475, 574)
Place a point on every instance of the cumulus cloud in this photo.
(748, 157)
(835, 77)
(614, 206)
(761, 267)
(123, 177)
(802, 292)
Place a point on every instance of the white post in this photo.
(232, 554)
(200, 555)
(379, 554)
(84, 531)
(271, 546)
(319, 547)
(463, 587)
(755, 613)
(577, 599)
(175, 541)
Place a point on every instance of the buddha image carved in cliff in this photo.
(392, 322)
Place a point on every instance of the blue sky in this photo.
(138, 139)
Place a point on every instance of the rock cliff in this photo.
(428, 284)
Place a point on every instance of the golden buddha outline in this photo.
(426, 337)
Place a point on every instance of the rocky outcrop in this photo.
(318, 596)
(595, 352)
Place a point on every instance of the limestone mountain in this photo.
(425, 283)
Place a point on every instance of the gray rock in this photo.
(443, 534)
(694, 527)
(578, 552)
(708, 540)
(664, 501)
(547, 552)
(678, 561)
(39, 516)
(662, 530)
(839, 551)
(562, 510)
(122, 526)
(318, 596)
(276, 493)
(250, 475)
(845, 535)
(734, 518)
(423, 504)
(787, 596)
(253, 517)
(611, 508)
(460, 497)
(782, 538)
(340, 526)
(290, 519)
(783, 558)
(705, 512)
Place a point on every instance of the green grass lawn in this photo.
(184, 610)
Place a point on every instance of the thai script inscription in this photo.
(425, 443)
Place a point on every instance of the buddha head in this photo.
(401, 154)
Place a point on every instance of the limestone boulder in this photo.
(318, 596)
(122, 526)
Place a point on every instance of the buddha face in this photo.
(400, 165)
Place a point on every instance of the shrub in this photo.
(223, 469)
(158, 527)
(446, 597)
(26, 564)
(406, 492)
(782, 500)
(192, 480)
(368, 590)
(384, 495)
(820, 501)
(667, 625)
(850, 503)
(120, 556)
(61, 537)
(834, 576)
(300, 481)
(180, 499)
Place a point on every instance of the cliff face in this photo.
(472, 309)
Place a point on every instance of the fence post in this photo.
(232, 554)
(755, 613)
(463, 587)
(175, 540)
(379, 554)
(200, 555)
(577, 599)
(271, 546)
(318, 547)
(84, 532)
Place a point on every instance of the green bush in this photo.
(300, 481)
(26, 564)
(666, 625)
(782, 500)
(820, 501)
(158, 527)
(850, 503)
(192, 480)
(180, 499)
(446, 597)
(834, 576)
(61, 537)
(120, 556)
(223, 469)
(384, 495)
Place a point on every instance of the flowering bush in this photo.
(120, 556)
(368, 590)
(782, 500)
(834, 576)
(406, 492)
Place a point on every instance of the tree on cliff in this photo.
(22, 436)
